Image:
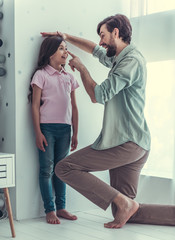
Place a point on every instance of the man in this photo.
(124, 142)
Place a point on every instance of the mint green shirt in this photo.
(123, 96)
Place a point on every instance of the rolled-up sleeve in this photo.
(108, 89)
(99, 94)
(123, 75)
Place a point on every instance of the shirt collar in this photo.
(124, 52)
(50, 70)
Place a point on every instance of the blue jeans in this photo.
(58, 138)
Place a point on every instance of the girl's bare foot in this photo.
(52, 218)
(126, 207)
(65, 214)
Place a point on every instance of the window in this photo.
(154, 6)
(145, 7)
(160, 115)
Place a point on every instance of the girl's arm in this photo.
(74, 142)
(40, 138)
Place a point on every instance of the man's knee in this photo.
(61, 169)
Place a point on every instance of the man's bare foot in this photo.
(126, 207)
(52, 218)
(65, 214)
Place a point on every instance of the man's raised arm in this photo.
(84, 44)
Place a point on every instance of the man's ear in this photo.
(116, 32)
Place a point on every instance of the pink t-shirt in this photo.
(56, 89)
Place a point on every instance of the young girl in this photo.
(54, 110)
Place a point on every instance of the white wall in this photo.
(155, 190)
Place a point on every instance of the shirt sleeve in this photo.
(38, 79)
(122, 76)
(100, 53)
(74, 83)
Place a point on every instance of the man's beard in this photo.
(111, 51)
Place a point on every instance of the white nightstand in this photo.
(7, 179)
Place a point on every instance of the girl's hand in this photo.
(41, 142)
(74, 143)
(57, 33)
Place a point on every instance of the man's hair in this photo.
(118, 21)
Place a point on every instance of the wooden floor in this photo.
(89, 226)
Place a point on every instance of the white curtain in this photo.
(153, 24)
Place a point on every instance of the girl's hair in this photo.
(48, 47)
(118, 21)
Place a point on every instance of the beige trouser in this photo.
(124, 163)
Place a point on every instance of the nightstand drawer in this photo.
(3, 174)
(7, 170)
